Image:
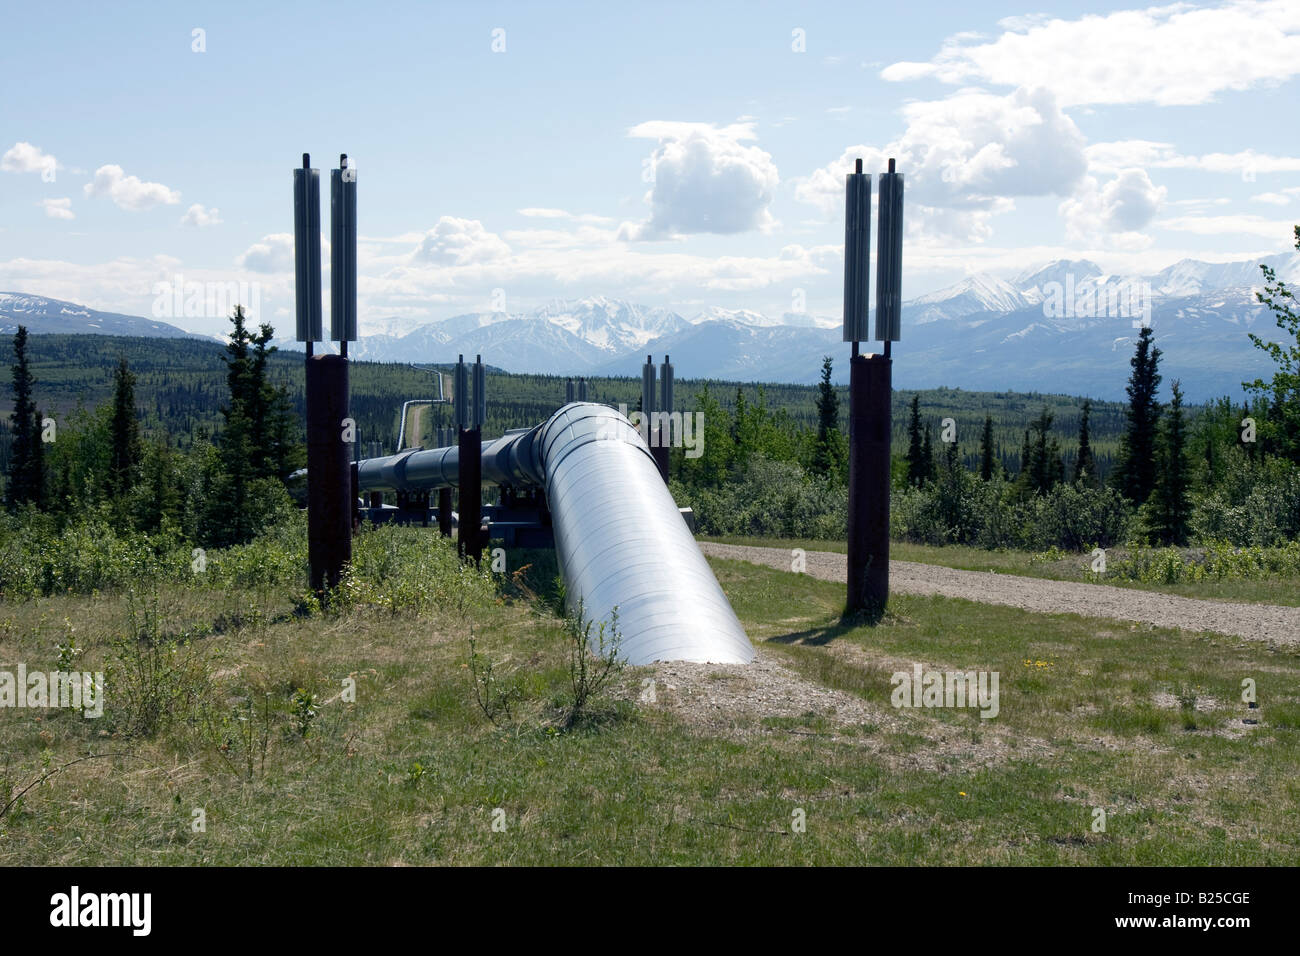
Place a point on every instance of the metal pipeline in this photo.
(620, 540)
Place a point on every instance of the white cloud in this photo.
(460, 242)
(1248, 225)
(534, 212)
(1274, 199)
(1110, 157)
(26, 158)
(1169, 55)
(129, 192)
(274, 253)
(705, 180)
(966, 158)
(1114, 213)
(58, 208)
(197, 216)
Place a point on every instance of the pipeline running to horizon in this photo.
(619, 537)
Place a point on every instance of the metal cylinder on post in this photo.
(329, 438)
(869, 417)
(664, 446)
(470, 412)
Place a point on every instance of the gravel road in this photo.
(1257, 622)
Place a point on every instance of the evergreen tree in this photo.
(987, 461)
(927, 457)
(1085, 466)
(26, 456)
(828, 452)
(1042, 467)
(1135, 473)
(915, 461)
(125, 433)
(1169, 503)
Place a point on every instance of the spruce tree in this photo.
(825, 458)
(915, 463)
(1085, 466)
(1042, 467)
(987, 461)
(1169, 503)
(927, 457)
(1135, 473)
(26, 457)
(124, 433)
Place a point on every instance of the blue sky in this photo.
(681, 155)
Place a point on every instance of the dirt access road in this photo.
(1256, 622)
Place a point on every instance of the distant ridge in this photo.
(1041, 331)
(45, 316)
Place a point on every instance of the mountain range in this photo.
(1065, 326)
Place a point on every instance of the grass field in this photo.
(1056, 566)
(1144, 724)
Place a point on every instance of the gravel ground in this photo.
(1258, 622)
(736, 700)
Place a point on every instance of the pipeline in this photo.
(620, 540)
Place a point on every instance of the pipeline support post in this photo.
(330, 495)
(870, 429)
(871, 383)
(329, 471)
(470, 415)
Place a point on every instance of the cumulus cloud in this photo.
(966, 158)
(1248, 225)
(201, 218)
(274, 253)
(26, 158)
(460, 242)
(129, 192)
(1158, 55)
(534, 212)
(58, 208)
(1115, 212)
(705, 179)
(1110, 157)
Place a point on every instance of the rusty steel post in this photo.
(329, 471)
(870, 382)
(470, 479)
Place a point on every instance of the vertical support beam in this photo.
(329, 471)
(870, 384)
(355, 498)
(444, 494)
(470, 481)
(444, 512)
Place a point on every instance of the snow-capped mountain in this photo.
(977, 293)
(1061, 326)
(611, 323)
(42, 315)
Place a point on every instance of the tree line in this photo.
(221, 490)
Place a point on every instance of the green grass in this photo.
(412, 772)
(1282, 590)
